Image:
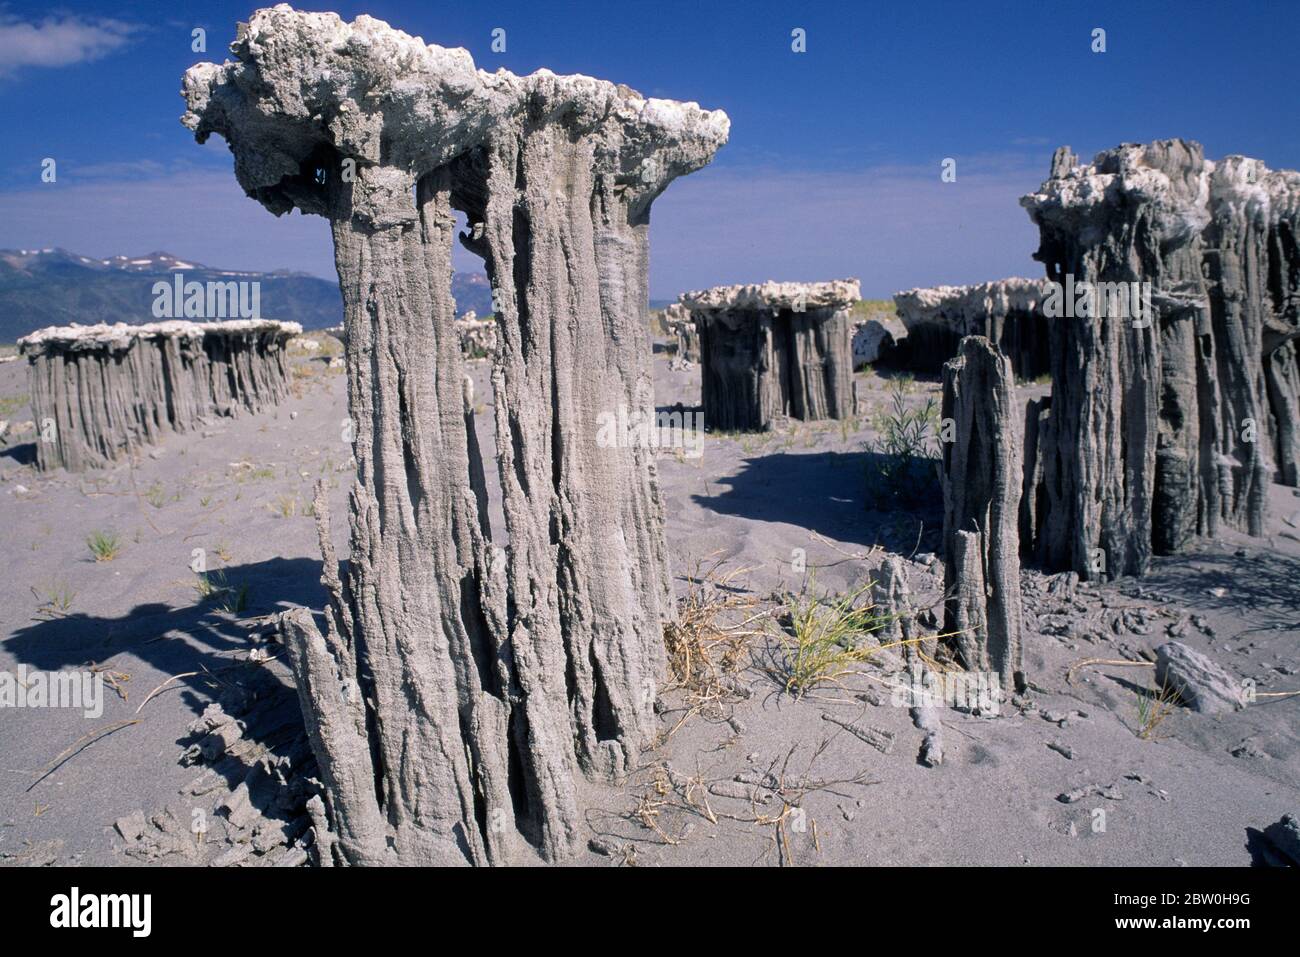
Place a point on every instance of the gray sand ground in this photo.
(240, 492)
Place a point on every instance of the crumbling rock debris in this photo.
(1108, 791)
(1007, 312)
(37, 854)
(131, 826)
(458, 686)
(1166, 426)
(773, 351)
(1248, 749)
(981, 494)
(927, 719)
(259, 793)
(1201, 683)
(103, 392)
(879, 738)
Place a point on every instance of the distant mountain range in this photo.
(53, 287)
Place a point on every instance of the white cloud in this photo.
(58, 41)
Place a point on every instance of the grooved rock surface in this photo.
(775, 350)
(982, 474)
(1161, 430)
(1007, 312)
(461, 685)
(101, 392)
(892, 595)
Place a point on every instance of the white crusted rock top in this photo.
(121, 335)
(954, 305)
(775, 296)
(307, 87)
(1182, 189)
(675, 314)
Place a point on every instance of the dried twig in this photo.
(90, 737)
(149, 696)
(1117, 662)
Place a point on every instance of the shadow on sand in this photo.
(1263, 586)
(824, 492)
(207, 645)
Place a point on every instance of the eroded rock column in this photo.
(460, 685)
(982, 476)
(102, 392)
(777, 350)
(1164, 426)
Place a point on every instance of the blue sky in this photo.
(834, 161)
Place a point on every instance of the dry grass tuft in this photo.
(769, 798)
(1153, 707)
(709, 644)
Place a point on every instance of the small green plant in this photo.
(236, 601)
(1153, 707)
(156, 495)
(213, 587)
(55, 601)
(104, 546)
(823, 639)
(901, 471)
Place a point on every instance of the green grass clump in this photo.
(104, 546)
(224, 595)
(156, 495)
(55, 601)
(825, 638)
